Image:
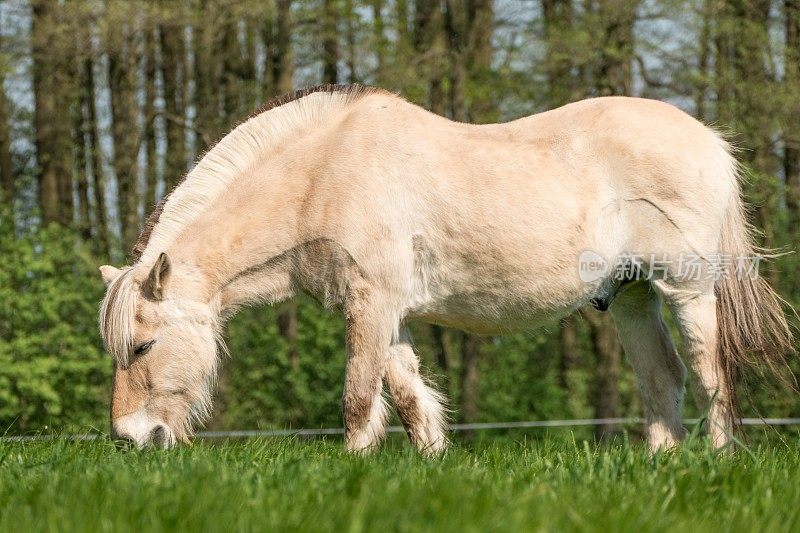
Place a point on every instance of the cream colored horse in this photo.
(390, 213)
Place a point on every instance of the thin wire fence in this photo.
(481, 426)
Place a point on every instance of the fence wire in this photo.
(480, 426)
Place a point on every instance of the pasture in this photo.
(554, 484)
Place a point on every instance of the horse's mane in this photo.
(116, 315)
(234, 153)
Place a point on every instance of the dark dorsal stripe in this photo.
(352, 91)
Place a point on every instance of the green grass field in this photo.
(502, 485)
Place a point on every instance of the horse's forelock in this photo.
(117, 313)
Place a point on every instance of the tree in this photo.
(51, 88)
(175, 82)
(207, 74)
(470, 357)
(482, 107)
(791, 128)
(90, 130)
(7, 189)
(150, 97)
(558, 16)
(608, 356)
(429, 46)
(616, 22)
(84, 223)
(330, 42)
(747, 102)
(379, 38)
(123, 58)
(283, 62)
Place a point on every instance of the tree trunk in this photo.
(457, 29)
(429, 45)
(754, 114)
(287, 327)
(150, 97)
(102, 241)
(231, 69)
(703, 60)
(608, 354)
(470, 356)
(173, 72)
(482, 108)
(284, 61)
(617, 19)
(330, 43)
(441, 345)
(122, 83)
(207, 69)
(269, 66)
(791, 154)
(401, 14)
(7, 189)
(558, 32)
(568, 344)
(79, 127)
(248, 76)
(51, 114)
(379, 40)
(351, 16)
(469, 27)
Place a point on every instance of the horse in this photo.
(390, 214)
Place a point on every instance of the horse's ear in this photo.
(158, 278)
(109, 274)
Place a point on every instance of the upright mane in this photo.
(234, 154)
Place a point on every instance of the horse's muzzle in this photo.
(139, 430)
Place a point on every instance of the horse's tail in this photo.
(753, 330)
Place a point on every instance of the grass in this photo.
(502, 485)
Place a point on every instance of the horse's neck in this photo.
(233, 244)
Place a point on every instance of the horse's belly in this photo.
(486, 302)
(505, 274)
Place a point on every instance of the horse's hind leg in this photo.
(696, 315)
(418, 405)
(659, 371)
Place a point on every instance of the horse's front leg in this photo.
(369, 333)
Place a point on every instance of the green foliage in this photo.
(52, 367)
(502, 485)
(520, 380)
(260, 386)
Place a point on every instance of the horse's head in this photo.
(165, 345)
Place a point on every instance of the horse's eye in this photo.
(144, 347)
